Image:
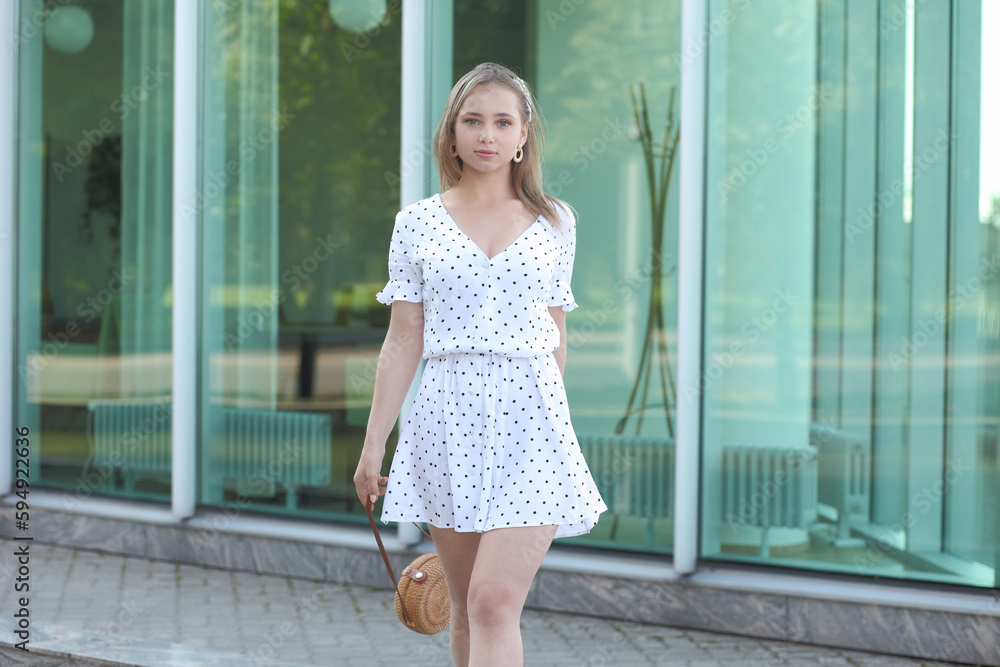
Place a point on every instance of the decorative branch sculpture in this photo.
(659, 167)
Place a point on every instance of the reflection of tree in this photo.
(588, 57)
(104, 188)
(477, 24)
(659, 160)
(339, 155)
(606, 45)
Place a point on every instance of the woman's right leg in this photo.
(457, 552)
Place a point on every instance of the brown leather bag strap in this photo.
(424, 532)
(385, 558)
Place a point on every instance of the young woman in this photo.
(479, 286)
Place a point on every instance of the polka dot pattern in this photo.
(488, 442)
(474, 303)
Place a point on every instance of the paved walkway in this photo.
(140, 612)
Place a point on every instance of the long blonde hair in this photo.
(526, 175)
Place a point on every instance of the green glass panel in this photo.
(94, 227)
(583, 62)
(850, 372)
(299, 189)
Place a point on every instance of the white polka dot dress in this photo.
(488, 442)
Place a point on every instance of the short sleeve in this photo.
(560, 292)
(406, 282)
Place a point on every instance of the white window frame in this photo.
(8, 86)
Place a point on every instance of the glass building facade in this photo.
(844, 402)
(851, 275)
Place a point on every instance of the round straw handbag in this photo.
(422, 601)
(423, 589)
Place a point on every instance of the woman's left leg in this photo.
(506, 563)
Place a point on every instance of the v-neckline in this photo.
(476, 245)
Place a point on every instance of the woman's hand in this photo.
(368, 481)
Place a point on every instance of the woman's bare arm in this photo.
(559, 315)
(397, 364)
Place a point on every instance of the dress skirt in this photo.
(489, 444)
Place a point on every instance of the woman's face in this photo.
(488, 128)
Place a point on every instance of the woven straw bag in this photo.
(423, 588)
(422, 601)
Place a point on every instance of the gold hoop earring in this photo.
(519, 155)
(454, 150)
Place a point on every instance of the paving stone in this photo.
(305, 622)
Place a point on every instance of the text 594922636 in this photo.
(22, 486)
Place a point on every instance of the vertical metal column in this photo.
(426, 52)
(8, 84)
(925, 349)
(185, 259)
(690, 282)
(414, 152)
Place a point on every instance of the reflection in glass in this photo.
(94, 230)
(300, 174)
(850, 373)
(581, 60)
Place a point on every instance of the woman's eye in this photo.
(505, 123)
(471, 121)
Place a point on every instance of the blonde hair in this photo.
(526, 175)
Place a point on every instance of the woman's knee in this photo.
(493, 603)
(459, 614)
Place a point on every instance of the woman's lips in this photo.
(485, 153)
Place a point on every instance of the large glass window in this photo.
(93, 244)
(593, 66)
(298, 192)
(850, 373)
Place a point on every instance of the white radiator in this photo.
(844, 474)
(260, 448)
(634, 474)
(130, 436)
(264, 447)
(769, 487)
